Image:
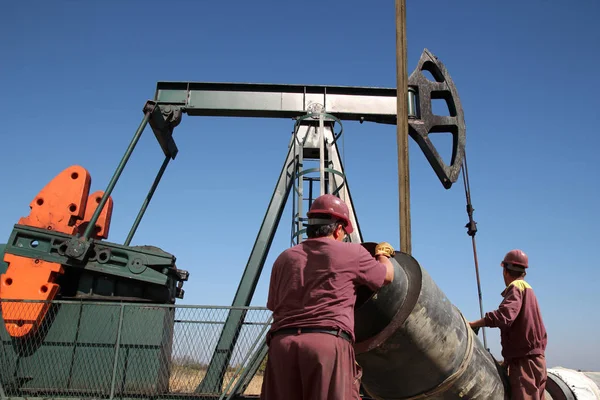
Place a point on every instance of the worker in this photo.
(312, 295)
(522, 331)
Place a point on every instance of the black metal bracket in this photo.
(427, 122)
(163, 120)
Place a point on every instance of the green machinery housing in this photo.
(74, 347)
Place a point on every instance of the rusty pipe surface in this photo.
(413, 343)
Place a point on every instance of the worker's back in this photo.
(527, 333)
(314, 284)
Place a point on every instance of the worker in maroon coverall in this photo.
(312, 294)
(522, 332)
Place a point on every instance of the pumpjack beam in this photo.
(279, 100)
(349, 103)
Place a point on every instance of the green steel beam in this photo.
(113, 181)
(163, 121)
(146, 202)
(278, 100)
(249, 373)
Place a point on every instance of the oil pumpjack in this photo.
(78, 248)
(408, 330)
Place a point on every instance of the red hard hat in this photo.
(516, 257)
(334, 206)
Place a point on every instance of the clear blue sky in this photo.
(75, 76)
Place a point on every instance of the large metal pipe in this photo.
(413, 343)
(568, 384)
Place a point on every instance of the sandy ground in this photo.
(185, 380)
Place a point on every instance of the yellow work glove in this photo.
(384, 249)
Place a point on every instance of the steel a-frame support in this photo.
(305, 144)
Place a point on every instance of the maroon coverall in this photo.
(524, 339)
(313, 285)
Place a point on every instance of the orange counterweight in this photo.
(63, 205)
(103, 222)
(61, 202)
(27, 279)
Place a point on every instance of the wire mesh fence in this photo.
(109, 350)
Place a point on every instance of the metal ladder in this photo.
(315, 143)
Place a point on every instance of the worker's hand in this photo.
(384, 249)
(475, 325)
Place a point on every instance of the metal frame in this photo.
(173, 99)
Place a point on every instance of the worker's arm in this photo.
(373, 272)
(506, 313)
(508, 310)
(480, 323)
(389, 273)
(272, 298)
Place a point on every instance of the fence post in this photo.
(2, 394)
(245, 374)
(117, 347)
